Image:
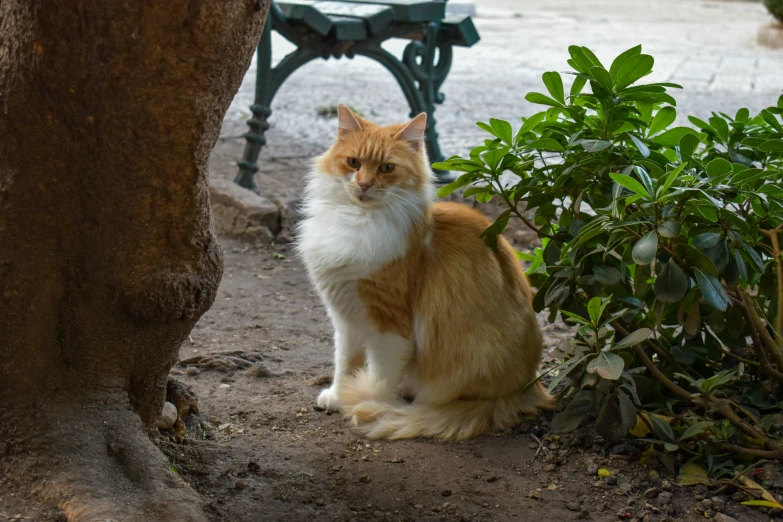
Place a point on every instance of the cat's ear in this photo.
(348, 121)
(413, 132)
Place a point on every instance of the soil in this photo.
(259, 451)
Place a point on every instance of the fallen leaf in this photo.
(691, 474)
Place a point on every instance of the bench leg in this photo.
(420, 73)
(255, 138)
(429, 63)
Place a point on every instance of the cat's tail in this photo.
(458, 420)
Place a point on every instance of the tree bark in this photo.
(108, 112)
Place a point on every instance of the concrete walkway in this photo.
(707, 46)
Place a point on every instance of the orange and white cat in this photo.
(422, 308)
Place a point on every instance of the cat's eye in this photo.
(354, 163)
(386, 168)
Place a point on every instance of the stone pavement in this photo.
(707, 46)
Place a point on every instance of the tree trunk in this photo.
(108, 112)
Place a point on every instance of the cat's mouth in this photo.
(364, 198)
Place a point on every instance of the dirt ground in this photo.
(259, 451)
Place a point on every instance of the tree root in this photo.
(91, 458)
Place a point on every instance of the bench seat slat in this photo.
(348, 29)
(459, 30)
(411, 10)
(307, 15)
(377, 17)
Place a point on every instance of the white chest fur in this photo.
(342, 242)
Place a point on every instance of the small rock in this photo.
(168, 416)
(395, 460)
(706, 503)
(319, 502)
(666, 485)
(651, 493)
(718, 504)
(709, 513)
(336, 468)
(532, 445)
(549, 467)
(258, 370)
(721, 517)
(240, 484)
(192, 371)
(535, 494)
(365, 478)
(665, 498)
(445, 493)
(590, 466)
(573, 506)
(224, 385)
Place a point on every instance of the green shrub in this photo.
(776, 8)
(661, 244)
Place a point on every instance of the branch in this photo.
(775, 239)
(725, 411)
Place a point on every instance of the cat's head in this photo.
(373, 166)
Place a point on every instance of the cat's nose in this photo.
(365, 186)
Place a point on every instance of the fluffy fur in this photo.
(422, 308)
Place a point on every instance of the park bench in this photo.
(323, 29)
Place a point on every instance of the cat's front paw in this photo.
(327, 400)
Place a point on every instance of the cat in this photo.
(422, 308)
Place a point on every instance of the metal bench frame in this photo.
(420, 73)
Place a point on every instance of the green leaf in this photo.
(546, 144)
(541, 99)
(578, 58)
(622, 58)
(669, 229)
(721, 128)
(578, 85)
(607, 275)
(706, 240)
(672, 137)
(772, 146)
(502, 129)
(495, 229)
(530, 124)
(632, 69)
(596, 308)
(718, 169)
(608, 365)
(603, 77)
(696, 258)
(663, 118)
(688, 144)
(567, 421)
(633, 338)
(671, 177)
(643, 149)
(671, 284)
(454, 185)
(645, 249)
(595, 145)
(554, 84)
(630, 183)
(712, 290)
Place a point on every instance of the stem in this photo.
(774, 348)
(513, 208)
(775, 239)
(776, 454)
